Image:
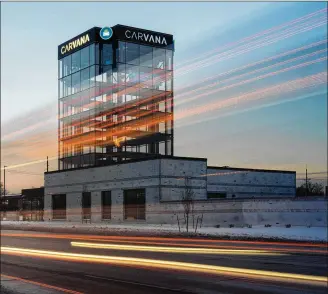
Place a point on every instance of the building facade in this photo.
(115, 96)
(151, 189)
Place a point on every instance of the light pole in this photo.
(4, 180)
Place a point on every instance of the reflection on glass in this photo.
(146, 56)
(85, 79)
(67, 65)
(76, 83)
(85, 58)
(132, 53)
(107, 54)
(76, 61)
(169, 60)
(159, 58)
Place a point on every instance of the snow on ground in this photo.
(256, 232)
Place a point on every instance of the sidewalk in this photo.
(312, 234)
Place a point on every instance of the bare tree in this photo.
(187, 200)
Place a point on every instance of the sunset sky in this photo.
(274, 126)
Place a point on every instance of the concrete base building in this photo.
(151, 190)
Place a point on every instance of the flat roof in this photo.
(252, 169)
(152, 157)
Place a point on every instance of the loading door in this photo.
(86, 205)
(134, 204)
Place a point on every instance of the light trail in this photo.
(289, 86)
(288, 24)
(41, 284)
(183, 242)
(172, 249)
(164, 264)
(265, 32)
(249, 72)
(249, 80)
(255, 63)
(249, 47)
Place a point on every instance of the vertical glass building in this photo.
(115, 96)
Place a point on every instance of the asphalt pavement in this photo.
(34, 262)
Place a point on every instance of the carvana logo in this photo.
(106, 33)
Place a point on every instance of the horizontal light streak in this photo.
(41, 284)
(172, 249)
(289, 86)
(255, 45)
(204, 88)
(254, 64)
(183, 242)
(275, 28)
(164, 264)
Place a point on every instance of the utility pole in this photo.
(4, 180)
(306, 181)
(47, 164)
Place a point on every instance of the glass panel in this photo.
(169, 81)
(159, 80)
(169, 60)
(61, 88)
(159, 58)
(146, 56)
(132, 75)
(85, 58)
(76, 61)
(85, 79)
(76, 82)
(60, 68)
(146, 77)
(120, 53)
(97, 54)
(92, 54)
(67, 86)
(93, 75)
(132, 53)
(67, 65)
(107, 54)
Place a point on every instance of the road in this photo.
(65, 263)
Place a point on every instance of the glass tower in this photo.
(115, 97)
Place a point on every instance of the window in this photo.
(120, 53)
(134, 204)
(146, 77)
(107, 54)
(85, 79)
(92, 54)
(132, 53)
(67, 64)
(216, 195)
(106, 203)
(169, 60)
(146, 56)
(59, 206)
(159, 58)
(76, 83)
(85, 57)
(67, 86)
(76, 61)
(60, 68)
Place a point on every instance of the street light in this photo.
(4, 180)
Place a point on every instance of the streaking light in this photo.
(164, 264)
(172, 249)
